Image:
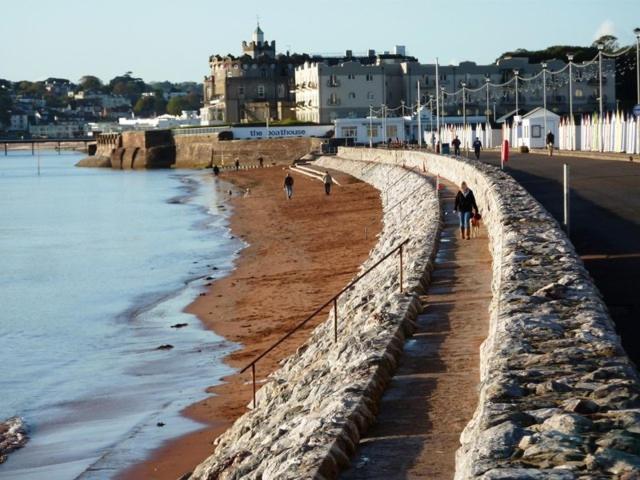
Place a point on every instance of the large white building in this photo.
(325, 91)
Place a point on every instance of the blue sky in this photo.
(172, 40)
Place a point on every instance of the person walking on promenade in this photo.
(477, 145)
(550, 141)
(328, 181)
(237, 164)
(288, 185)
(465, 205)
(456, 146)
(216, 170)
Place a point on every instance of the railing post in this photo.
(335, 319)
(253, 375)
(401, 276)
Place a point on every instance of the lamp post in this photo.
(515, 74)
(370, 126)
(600, 48)
(487, 80)
(570, 57)
(402, 104)
(464, 114)
(431, 113)
(419, 117)
(637, 33)
(442, 90)
(544, 95)
(384, 122)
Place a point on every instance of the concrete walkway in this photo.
(434, 391)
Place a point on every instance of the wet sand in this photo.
(300, 253)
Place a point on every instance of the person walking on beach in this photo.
(328, 181)
(216, 170)
(550, 141)
(477, 145)
(456, 146)
(288, 185)
(261, 162)
(465, 205)
(237, 164)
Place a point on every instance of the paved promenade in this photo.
(605, 224)
(434, 391)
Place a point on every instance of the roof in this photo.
(507, 116)
(258, 30)
(540, 112)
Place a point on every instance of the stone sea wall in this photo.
(152, 149)
(559, 398)
(311, 412)
(202, 151)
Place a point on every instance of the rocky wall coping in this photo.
(559, 398)
(311, 412)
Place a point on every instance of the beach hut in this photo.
(534, 132)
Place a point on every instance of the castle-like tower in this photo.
(258, 46)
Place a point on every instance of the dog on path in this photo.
(475, 225)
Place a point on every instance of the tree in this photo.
(144, 107)
(610, 43)
(176, 105)
(5, 106)
(90, 83)
(128, 86)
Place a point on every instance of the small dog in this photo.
(475, 225)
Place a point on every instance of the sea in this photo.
(96, 268)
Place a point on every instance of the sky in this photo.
(172, 40)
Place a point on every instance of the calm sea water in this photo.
(96, 265)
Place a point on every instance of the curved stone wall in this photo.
(310, 413)
(559, 399)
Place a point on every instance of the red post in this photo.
(253, 375)
(504, 153)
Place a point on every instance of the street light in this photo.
(570, 57)
(419, 117)
(544, 95)
(515, 73)
(370, 126)
(600, 48)
(637, 33)
(486, 112)
(442, 90)
(464, 114)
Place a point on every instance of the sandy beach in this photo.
(300, 252)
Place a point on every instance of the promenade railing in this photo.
(332, 301)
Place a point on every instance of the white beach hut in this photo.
(534, 131)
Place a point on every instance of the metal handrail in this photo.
(334, 300)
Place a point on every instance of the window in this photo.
(260, 91)
(333, 99)
(352, 95)
(372, 131)
(349, 132)
(392, 131)
(369, 77)
(536, 131)
(351, 76)
(579, 92)
(333, 81)
(281, 92)
(240, 90)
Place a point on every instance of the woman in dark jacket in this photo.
(466, 206)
